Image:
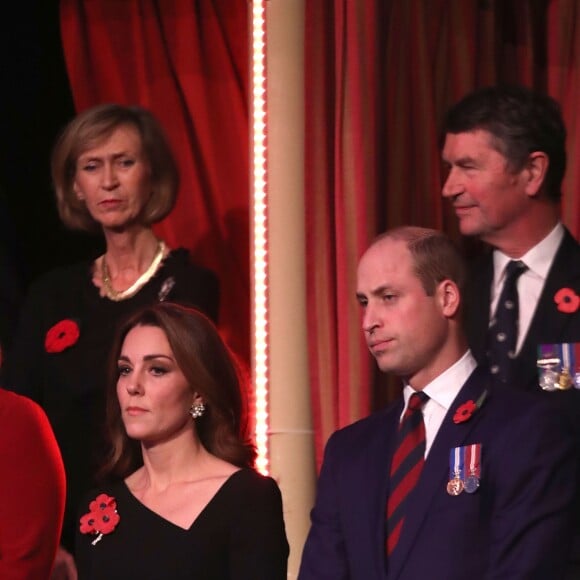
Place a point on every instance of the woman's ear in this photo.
(197, 408)
(197, 399)
(80, 195)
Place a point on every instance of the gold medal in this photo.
(454, 486)
(564, 380)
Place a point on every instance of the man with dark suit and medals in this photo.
(504, 148)
(461, 478)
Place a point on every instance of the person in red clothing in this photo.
(32, 490)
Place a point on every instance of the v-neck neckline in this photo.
(220, 491)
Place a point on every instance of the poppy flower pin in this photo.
(61, 336)
(102, 518)
(465, 411)
(567, 300)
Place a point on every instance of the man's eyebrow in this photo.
(375, 292)
(466, 159)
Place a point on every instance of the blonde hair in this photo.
(90, 128)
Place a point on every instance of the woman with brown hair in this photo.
(114, 174)
(182, 500)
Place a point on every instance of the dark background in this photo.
(35, 103)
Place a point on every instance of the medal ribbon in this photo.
(570, 359)
(567, 353)
(473, 458)
(456, 464)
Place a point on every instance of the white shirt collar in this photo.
(538, 259)
(444, 388)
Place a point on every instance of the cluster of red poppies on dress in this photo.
(102, 517)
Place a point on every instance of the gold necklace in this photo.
(118, 295)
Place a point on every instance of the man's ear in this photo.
(448, 297)
(535, 172)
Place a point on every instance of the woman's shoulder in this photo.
(181, 259)
(251, 481)
(112, 488)
(26, 435)
(65, 277)
(184, 281)
(19, 413)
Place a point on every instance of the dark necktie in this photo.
(503, 332)
(406, 466)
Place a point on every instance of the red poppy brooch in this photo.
(102, 518)
(567, 300)
(466, 410)
(61, 336)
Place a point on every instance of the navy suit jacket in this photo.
(548, 324)
(517, 525)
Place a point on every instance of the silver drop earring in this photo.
(197, 410)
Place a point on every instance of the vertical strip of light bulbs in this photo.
(260, 234)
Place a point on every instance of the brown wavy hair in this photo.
(211, 370)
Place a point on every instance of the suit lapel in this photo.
(435, 474)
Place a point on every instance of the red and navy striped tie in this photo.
(406, 466)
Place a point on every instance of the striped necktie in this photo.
(406, 466)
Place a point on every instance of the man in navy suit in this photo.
(504, 513)
(505, 150)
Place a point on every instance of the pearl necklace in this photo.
(118, 295)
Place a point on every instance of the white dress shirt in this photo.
(442, 392)
(531, 283)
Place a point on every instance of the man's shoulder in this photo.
(570, 240)
(568, 251)
(511, 405)
(362, 430)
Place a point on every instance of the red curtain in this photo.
(563, 78)
(379, 76)
(187, 61)
(340, 151)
